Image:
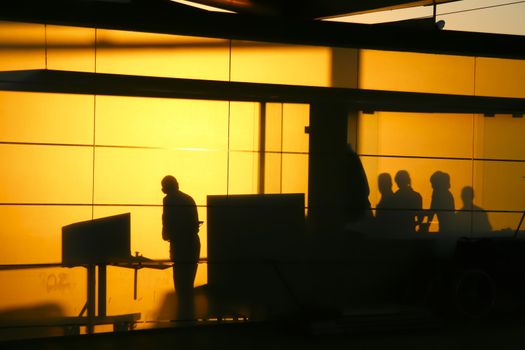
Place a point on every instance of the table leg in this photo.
(102, 286)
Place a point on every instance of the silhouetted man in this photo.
(408, 202)
(180, 226)
(442, 203)
(470, 217)
(384, 216)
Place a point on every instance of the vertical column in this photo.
(262, 147)
(328, 144)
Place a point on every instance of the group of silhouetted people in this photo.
(402, 211)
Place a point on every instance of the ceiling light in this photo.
(201, 6)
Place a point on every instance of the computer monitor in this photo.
(103, 240)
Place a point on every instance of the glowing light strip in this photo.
(201, 6)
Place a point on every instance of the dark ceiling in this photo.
(310, 9)
(165, 16)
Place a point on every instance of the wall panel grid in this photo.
(483, 158)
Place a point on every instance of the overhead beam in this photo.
(310, 9)
(166, 17)
(357, 99)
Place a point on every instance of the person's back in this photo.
(384, 213)
(442, 204)
(471, 218)
(180, 216)
(408, 204)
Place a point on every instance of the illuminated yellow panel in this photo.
(295, 173)
(70, 48)
(45, 174)
(243, 177)
(46, 118)
(244, 126)
(281, 64)
(133, 176)
(167, 123)
(368, 131)
(500, 77)
(420, 171)
(296, 117)
(500, 185)
(150, 54)
(272, 173)
(404, 71)
(500, 137)
(274, 121)
(42, 293)
(33, 234)
(22, 46)
(154, 287)
(415, 134)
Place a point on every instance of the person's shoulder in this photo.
(186, 197)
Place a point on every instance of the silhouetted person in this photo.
(384, 214)
(408, 204)
(180, 226)
(442, 204)
(471, 218)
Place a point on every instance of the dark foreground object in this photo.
(488, 334)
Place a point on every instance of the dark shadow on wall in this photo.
(31, 322)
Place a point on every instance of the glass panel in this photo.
(46, 174)
(500, 137)
(46, 118)
(296, 119)
(500, 77)
(244, 126)
(281, 64)
(164, 55)
(33, 234)
(156, 122)
(500, 185)
(273, 173)
(415, 134)
(41, 293)
(124, 176)
(243, 175)
(22, 46)
(405, 71)
(274, 125)
(295, 173)
(70, 48)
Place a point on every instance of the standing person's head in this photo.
(467, 196)
(169, 184)
(402, 179)
(384, 183)
(440, 181)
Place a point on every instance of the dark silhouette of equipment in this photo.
(104, 240)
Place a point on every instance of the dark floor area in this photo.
(487, 334)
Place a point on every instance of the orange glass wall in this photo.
(69, 158)
(486, 153)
